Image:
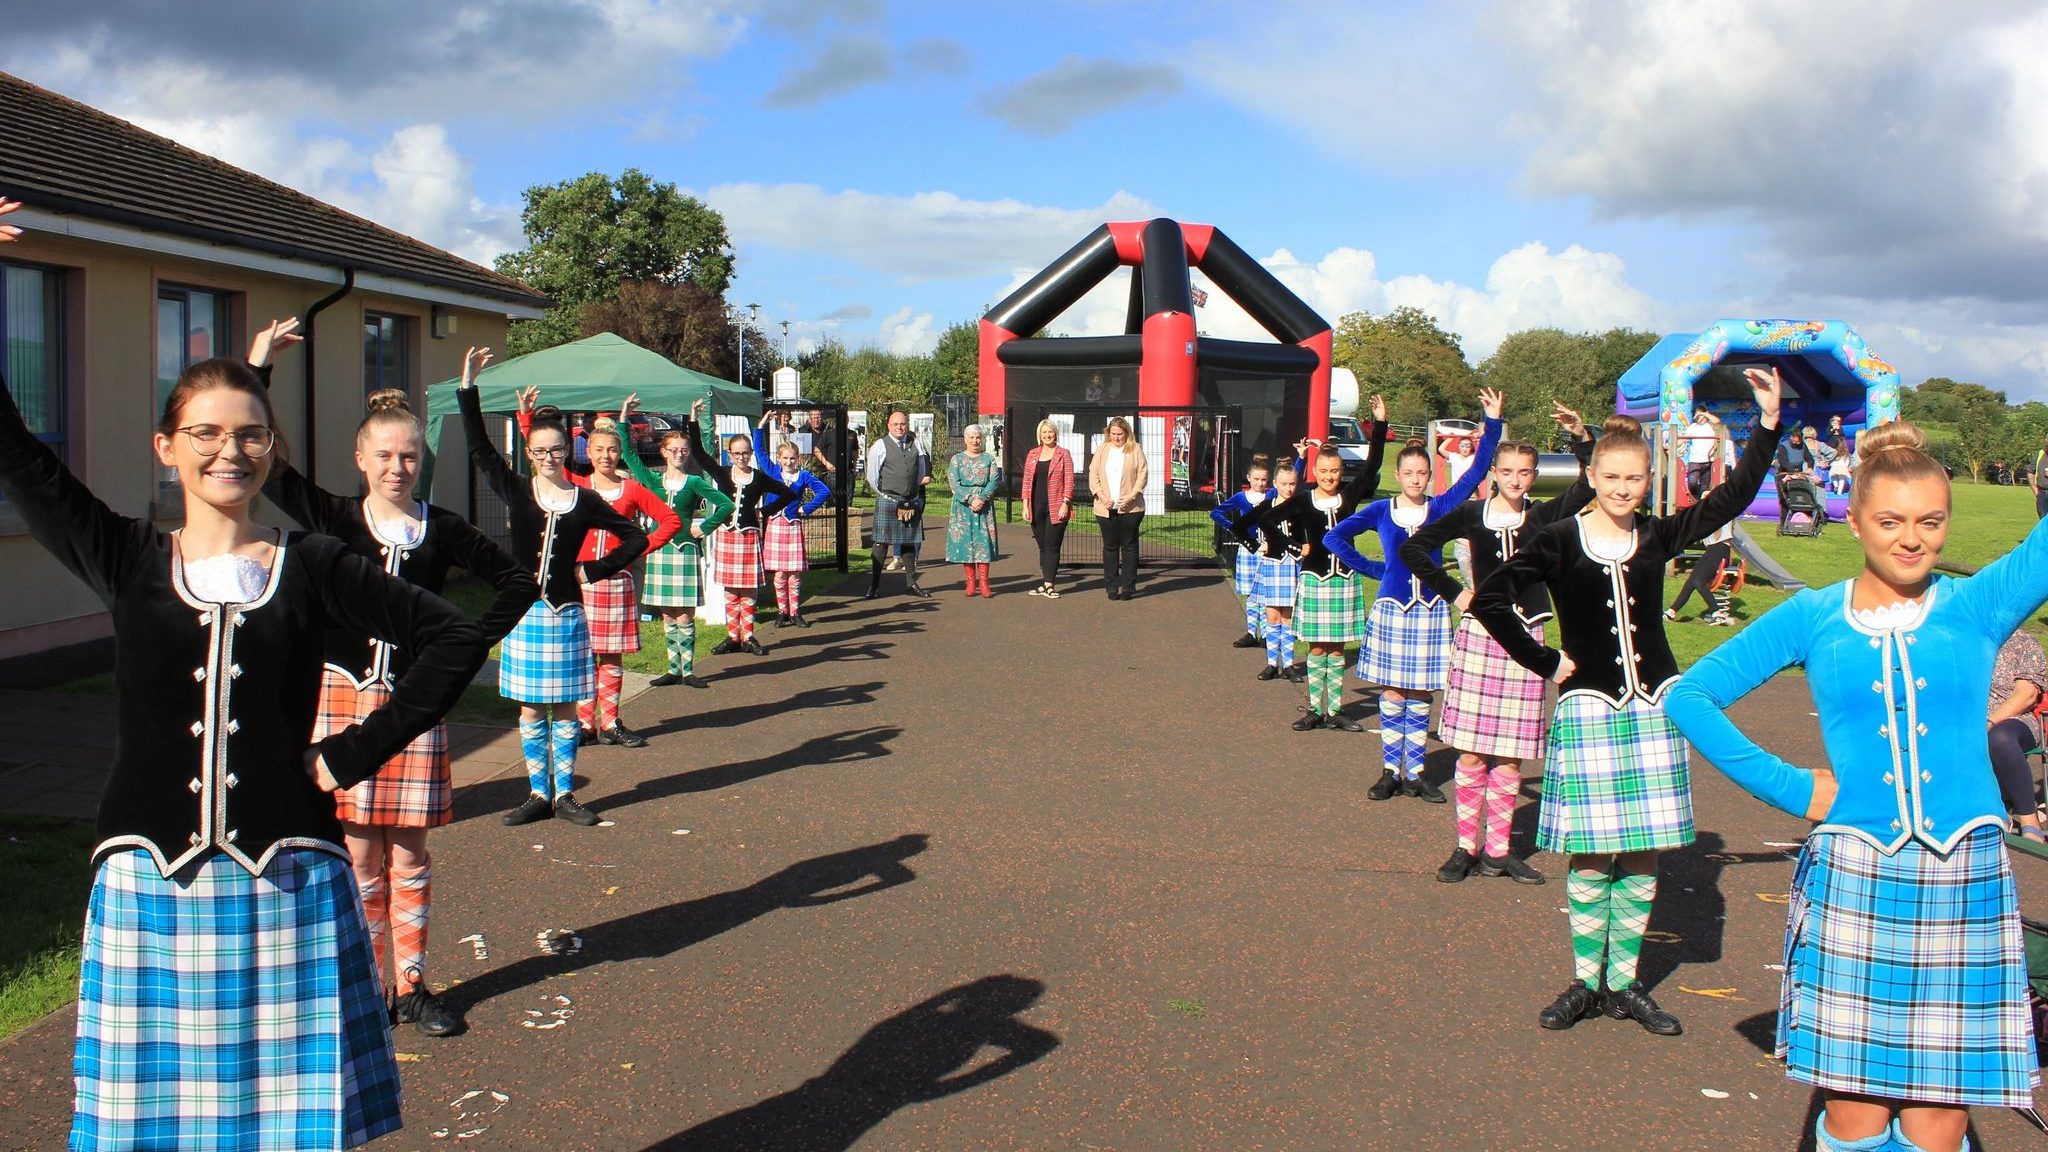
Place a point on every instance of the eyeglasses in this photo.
(547, 453)
(208, 439)
(739, 453)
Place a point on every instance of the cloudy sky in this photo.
(889, 168)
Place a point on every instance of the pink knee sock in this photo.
(1503, 788)
(1468, 785)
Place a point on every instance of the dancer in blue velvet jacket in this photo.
(1905, 986)
(1407, 649)
(1244, 568)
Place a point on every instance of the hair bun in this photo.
(389, 400)
(1896, 436)
(1620, 425)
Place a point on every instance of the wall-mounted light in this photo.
(442, 323)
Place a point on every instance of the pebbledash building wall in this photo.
(141, 256)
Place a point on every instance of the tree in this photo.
(958, 357)
(683, 322)
(1539, 365)
(1407, 358)
(585, 237)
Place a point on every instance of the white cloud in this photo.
(926, 236)
(905, 334)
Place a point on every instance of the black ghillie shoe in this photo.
(1634, 1003)
(1309, 722)
(535, 808)
(1385, 786)
(1572, 1005)
(568, 809)
(1516, 870)
(665, 680)
(425, 1011)
(1456, 868)
(1245, 641)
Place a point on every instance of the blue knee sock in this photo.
(1393, 719)
(1895, 1134)
(533, 743)
(1827, 1143)
(567, 733)
(1273, 633)
(1287, 645)
(1416, 746)
(1254, 617)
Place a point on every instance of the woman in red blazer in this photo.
(1048, 502)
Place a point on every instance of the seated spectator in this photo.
(2017, 678)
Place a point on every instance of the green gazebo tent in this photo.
(593, 374)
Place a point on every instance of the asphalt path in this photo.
(1028, 874)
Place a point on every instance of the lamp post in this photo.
(743, 319)
(785, 343)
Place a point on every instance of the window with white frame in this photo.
(32, 348)
(192, 324)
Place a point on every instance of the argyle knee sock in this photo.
(746, 610)
(1585, 895)
(1826, 1141)
(1628, 918)
(564, 780)
(411, 891)
(1325, 683)
(1287, 644)
(1273, 630)
(1393, 720)
(377, 915)
(1468, 786)
(586, 710)
(672, 643)
(1415, 749)
(1503, 787)
(686, 658)
(1254, 616)
(732, 618)
(533, 743)
(788, 598)
(610, 681)
(1315, 682)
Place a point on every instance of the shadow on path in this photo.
(1691, 906)
(835, 653)
(838, 748)
(837, 696)
(669, 929)
(925, 1053)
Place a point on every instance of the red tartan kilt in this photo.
(412, 789)
(612, 608)
(782, 545)
(736, 558)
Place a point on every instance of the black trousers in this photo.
(1701, 578)
(1049, 536)
(1120, 549)
(2009, 741)
(1698, 477)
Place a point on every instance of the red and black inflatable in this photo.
(1160, 339)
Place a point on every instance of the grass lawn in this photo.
(46, 867)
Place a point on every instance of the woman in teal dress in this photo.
(975, 475)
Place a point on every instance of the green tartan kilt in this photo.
(1329, 611)
(674, 577)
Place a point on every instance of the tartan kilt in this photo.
(224, 1010)
(736, 558)
(1492, 705)
(1244, 571)
(1614, 779)
(412, 789)
(1408, 648)
(546, 659)
(674, 578)
(611, 610)
(782, 545)
(1274, 581)
(1905, 974)
(889, 530)
(1329, 611)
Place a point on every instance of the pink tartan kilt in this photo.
(1492, 705)
(736, 558)
(782, 545)
(411, 790)
(612, 608)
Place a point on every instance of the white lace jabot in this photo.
(229, 578)
(1896, 615)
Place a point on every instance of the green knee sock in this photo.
(1628, 918)
(1318, 676)
(1333, 682)
(1586, 896)
(688, 648)
(672, 637)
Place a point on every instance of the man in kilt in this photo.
(898, 470)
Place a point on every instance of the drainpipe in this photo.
(348, 283)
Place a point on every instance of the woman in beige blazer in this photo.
(1117, 478)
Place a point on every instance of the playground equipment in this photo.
(1827, 368)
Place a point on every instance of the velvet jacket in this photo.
(637, 501)
(1242, 506)
(803, 487)
(1494, 542)
(448, 541)
(1059, 482)
(1397, 583)
(1297, 525)
(545, 541)
(764, 494)
(1902, 721)
(697, 492)
(1610, 613)
(215, 702)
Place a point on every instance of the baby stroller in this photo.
(1802, 510)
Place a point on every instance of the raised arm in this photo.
(639, 470)
(1475, 473)
(2009, 589)
(1699, 702)
(707, 463)
(1367, 481)
(1493, 604)
(91, 540)
(497, 473)
(1420, 550)
(1580, 494)
(1734, 494)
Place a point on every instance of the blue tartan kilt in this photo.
(1906, 975)
(1274, 585)
(1244, 571)
(1407, 647)
(221, 1010)
(547, 658)
(890, 530)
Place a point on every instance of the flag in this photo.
(1200, 297)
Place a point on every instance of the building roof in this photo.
(65, 156)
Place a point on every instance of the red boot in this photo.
(969, 570)
(985, 592)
